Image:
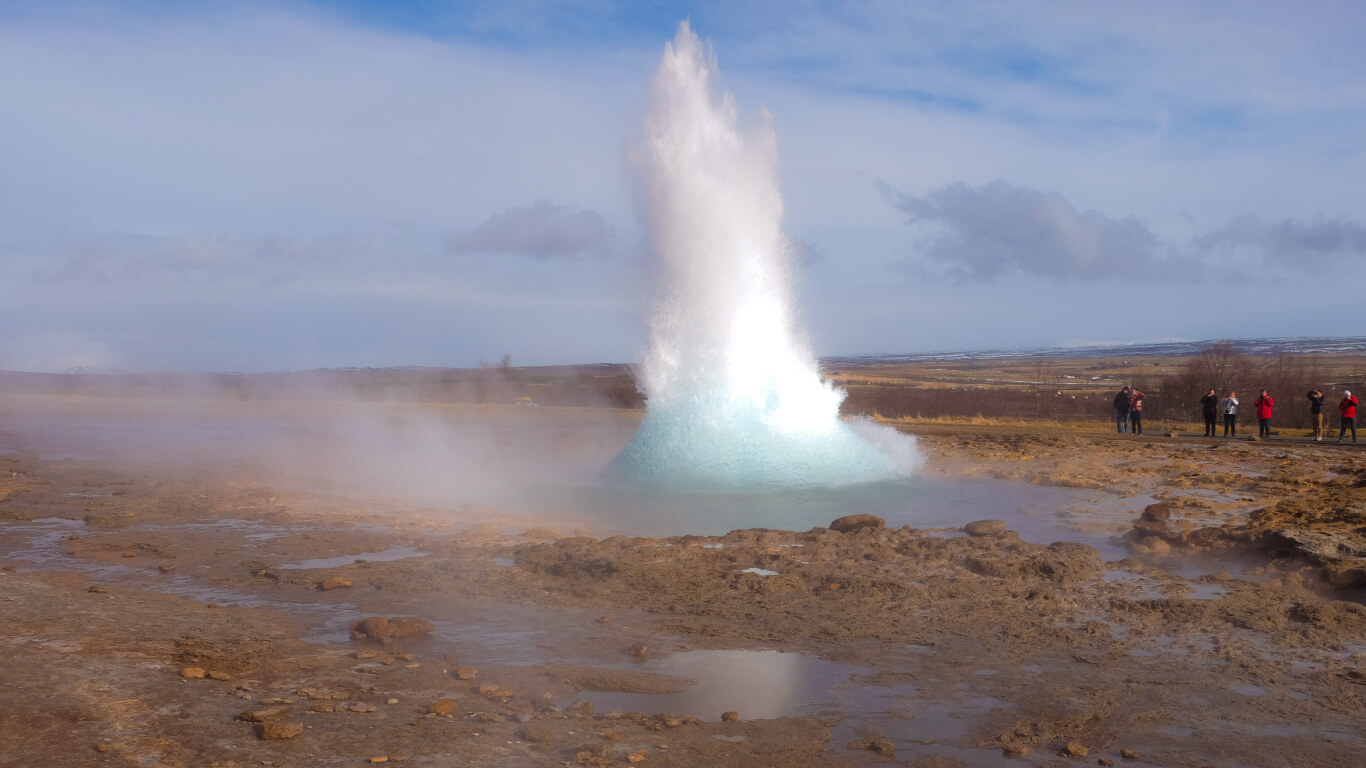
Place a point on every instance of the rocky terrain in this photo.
(199, 614)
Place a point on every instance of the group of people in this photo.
(1129, 412)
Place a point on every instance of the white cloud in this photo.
(541, 231)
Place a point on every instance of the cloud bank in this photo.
(542, 231)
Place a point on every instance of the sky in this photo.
(243, 186)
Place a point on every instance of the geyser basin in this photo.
(733, 394)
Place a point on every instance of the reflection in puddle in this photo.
(392, 553)
(757, 684)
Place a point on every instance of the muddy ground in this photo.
(192, 613)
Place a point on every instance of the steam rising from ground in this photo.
(734, 395)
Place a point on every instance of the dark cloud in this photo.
(543, 231)
(981, 233)
(1288, 241)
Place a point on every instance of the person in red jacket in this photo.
(1263, 405)
(1348, 407)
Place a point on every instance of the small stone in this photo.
(391, 701)
(443, 707)
(379, 759)
(411, 666)
(466, 673)
(195, 673)
(404, 656)
(729, 717)
(322, 707)
(1105, 762)
(101, 747)
(636, 756)
(366, 653)
(985, 528)
(1158, 512)
(1014, 749)
(488, 689)
(639, 650)
(280, 729)
(604, 619)
(130, 554)
(1073, 750)
(262, 715)
(1129, 754)
(851, 523)
(221, 677)
(335, 582)
(166, 568)
(875, 741)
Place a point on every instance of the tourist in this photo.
(1263, 405)
(1122, 405)
(1316, 412)
(1209, 405)
(1348, 407)
(1136, 411)
(1229, 407)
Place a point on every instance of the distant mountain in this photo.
(1324, 345)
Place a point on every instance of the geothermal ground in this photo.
(222, 609)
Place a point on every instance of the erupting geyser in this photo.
(733, 393)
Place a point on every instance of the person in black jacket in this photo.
(1209, 405)
(1316, 412)
(1123, 401)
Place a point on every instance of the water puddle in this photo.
(757, 684)
(923, 502)
(392, 553)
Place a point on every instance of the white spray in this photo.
(732, 390)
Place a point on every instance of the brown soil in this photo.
(116, 579)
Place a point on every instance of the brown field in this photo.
(1154, 601)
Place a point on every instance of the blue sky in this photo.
(274, 186)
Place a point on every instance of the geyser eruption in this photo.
(733, 393)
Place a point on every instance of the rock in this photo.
(379, 759)
(596, 751)
(443, 707)
(263, 715)
(101, 747)
(636, 756)
(410, 626)
(985, 528)
(391, 701)
(335, 582)
(1105, 762)
(488, 689)
(280, 729)
(875, 741)
(366, 653)
(1157, 512)
(1129, 754)
(604, 619)
(360, 708)
(322, 708)
(1014, 749)
(537, 733)
(373, 627)
(394, 628)
(466, 673)
(639, 650)
(195, 673)
(851, 523)
(1073, 750)
(221, 677)
(165, 568)
(729, 717)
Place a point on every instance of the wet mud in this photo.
(202, 614)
